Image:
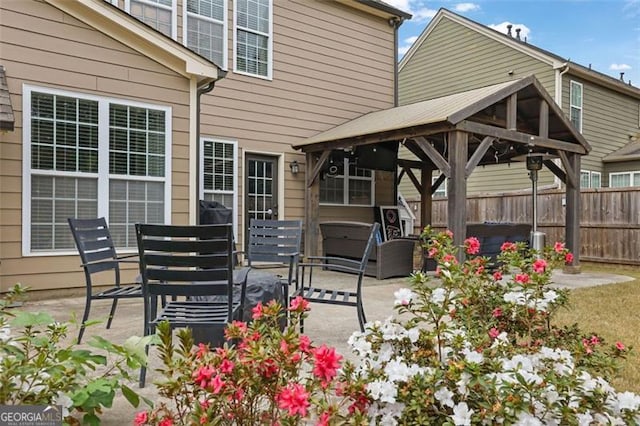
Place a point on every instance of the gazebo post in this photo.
(426, 197)
(311, 207)
(572, 216)
(457, 188)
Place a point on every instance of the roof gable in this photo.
(123, 27)
(550, 58)
(6, 109)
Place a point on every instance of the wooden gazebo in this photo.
(455, 134)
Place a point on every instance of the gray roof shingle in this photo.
(6, 110)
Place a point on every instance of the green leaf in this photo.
(131, 396)
(31, 319)
(91, 420)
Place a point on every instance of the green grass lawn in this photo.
(613, 312)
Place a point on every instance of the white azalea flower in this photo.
(628, 401)
(5, 333)
(526, 419)
(445, 396)
(403, 296)
(438, 295)
(462, 414)
(473, 356)
(65, 401)
(413, 334)
(382, 391)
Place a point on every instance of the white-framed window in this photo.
(205, 29)
(354, 188)
(219, 168)
(617, 180)
(441, 191)
(575, 104)
(253, 44)
(590, 179)
(158, 14)
(88, 156)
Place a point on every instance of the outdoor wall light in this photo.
(295, 167)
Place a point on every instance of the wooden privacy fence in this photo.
(609, 220)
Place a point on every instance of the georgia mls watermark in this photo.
(30, 415)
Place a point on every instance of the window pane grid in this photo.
(253, 18)
(155, 13)
(354, 189)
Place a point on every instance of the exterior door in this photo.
(261, 199)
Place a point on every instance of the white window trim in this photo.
(591, 175)
(174, 14)
(225, 31)
(579, 107)
(103, 166)
(631, 176)
(439, 192)
(235, 175)
(345, 188)
(269, 75)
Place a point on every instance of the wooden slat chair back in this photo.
(192, 268)
(276, 242)
(324, 294)
(98, 254)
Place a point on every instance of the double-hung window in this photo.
(219, 171)
(575, 104)
(205, 29)
(158, 14)
(253, 27)
(590, 179)
(617, 180)
(86, 157)
(355, 187)
(441, 190)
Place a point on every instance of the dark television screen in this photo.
(379, 156)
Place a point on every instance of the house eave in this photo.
(128, 30)
(603, 80)
(376, 8)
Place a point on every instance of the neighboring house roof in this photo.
(128, 30)
(446, 111)
(629, 152)
(555, 61)
(6, 109)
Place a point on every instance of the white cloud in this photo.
(403, 49)
(619, 67)
(410, 40)
(418, 8)
(502, 27)
(466, 7)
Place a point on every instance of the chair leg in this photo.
(114, 305)
(362, 319)
(85, 317)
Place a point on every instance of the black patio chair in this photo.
(191, 267)
(98, 255)
(327, 295)
(276, 243)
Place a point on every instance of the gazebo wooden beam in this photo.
(315, 171)
(572, 216)
(437, 183)
(414, 179)
(518, 137)
(434, 155)
(556, 170)
(480, 151)
(412, 164)
(426, 207)
(570, 173)
(457, 188)
(312, 206)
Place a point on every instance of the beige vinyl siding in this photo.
(42, 46)
(455, 58)
(608, 119)
(332, 63)
(620, 167)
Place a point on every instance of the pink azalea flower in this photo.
(448, 233)
(494, 332)
(497, 275)
(226, 366)
(142, 417)
(558, 247)
(327, 362)
(202, 375)
(508, 246)
(167, 421)
(216, 384)
(497, 313)
(324, 419)
(472, 245)
(568, 258)
(595, 340)
(305, 344)
(433, 251)
(257, 311)
(299, 304)
(295, 399)
(539, 266)
(620, 346)
(450, 258)
(522, 278)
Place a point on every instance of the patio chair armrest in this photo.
(325, 258)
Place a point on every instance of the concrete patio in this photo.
(326, 323)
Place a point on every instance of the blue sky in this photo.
(605, 34)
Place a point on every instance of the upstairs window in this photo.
(253, 47)
(205, 29)
(353, 188)
(158, 14)
(575, 105)
(441, 191)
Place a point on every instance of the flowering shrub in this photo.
(37, 367)
(269, 376)
(481, 348)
